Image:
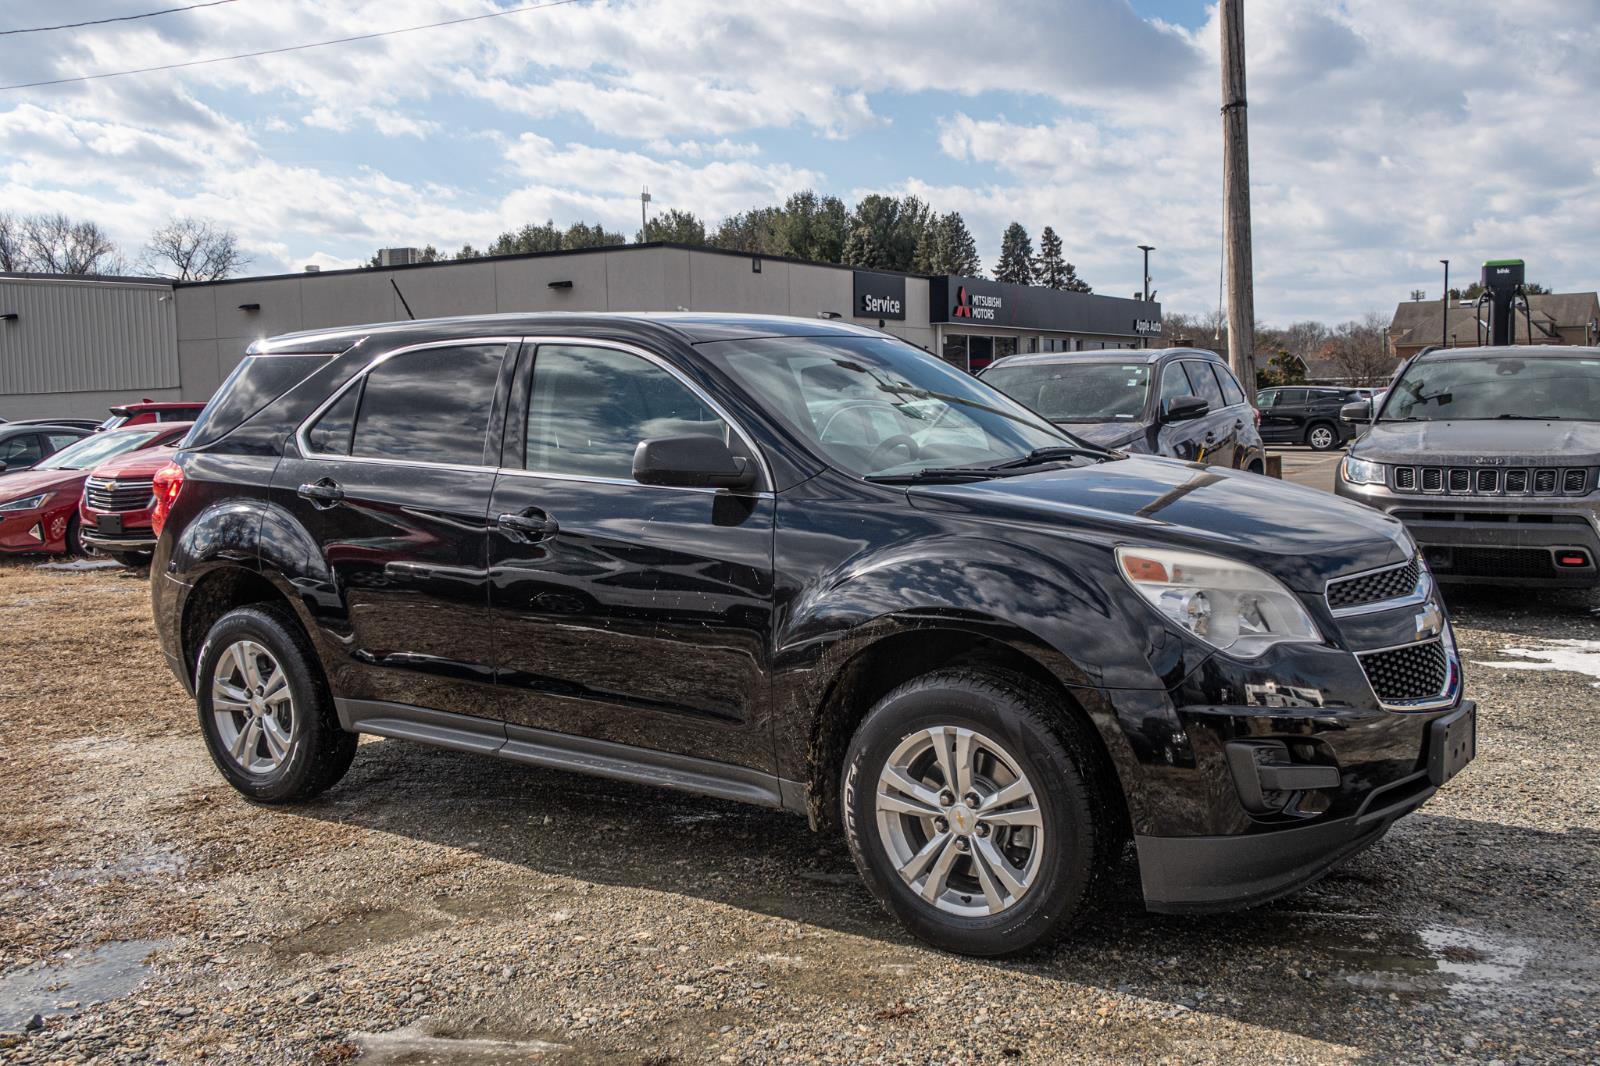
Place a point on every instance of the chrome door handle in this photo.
(525, 526)
(322, 493)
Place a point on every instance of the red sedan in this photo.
(39, 507)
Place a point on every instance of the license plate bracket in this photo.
(108, 524)
(1452, 743)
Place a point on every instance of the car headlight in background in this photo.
(1233, 607)
(1361, 472)
(29, 504)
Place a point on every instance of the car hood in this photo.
(1105, 434)
(1466, 441)
(141, 463)
(25, 483)
(1300, 535)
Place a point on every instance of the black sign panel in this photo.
(979, 302)
(879, 295)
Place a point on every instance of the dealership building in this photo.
(70, 347)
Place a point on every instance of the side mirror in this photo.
(1183, 409)
(1356, 412)
(691, 462)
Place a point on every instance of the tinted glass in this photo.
(1205, 383)
(1175, 383)
(429, 406)
(1291, 397)
(1230, 387)
(1077, 392)
(591, 407)
(92, 451)
(254, 383)
(1483, 387)
(20, 451)
(330, 434)
(61, 440)
(1267, 398)
(876, 406)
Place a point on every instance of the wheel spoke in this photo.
(919, 862)
(278, 686)
(230, 665)
(896, 778)
(1018, 789)
(229, 698)
(277, 739)
(906, 805)
(939, 876)
(1009, 875)
(966, 752)
(252, 670)
(941, 754)
(991, 889)
(244, 744)
(1028, 815)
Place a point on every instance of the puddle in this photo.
(1571, 656)
(81, 564)
(107, 972)
(1463, 963)
(158, 863)
(415, 1044)
(358, 930)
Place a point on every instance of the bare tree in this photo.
(55, 244)
(192, 249)
(1360, 349)
(13, 255)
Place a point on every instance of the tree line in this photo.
(1357, 351)
(182, 248)
(901, 233)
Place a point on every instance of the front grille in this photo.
(1509, 563)
(1390, 584)
(1415, 672)
(1493, 481)
(129, 494)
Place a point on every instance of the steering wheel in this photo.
(888, 444)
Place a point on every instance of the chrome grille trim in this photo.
(129, 494)
(1387, 669)
(1385, 588)
(1492, 480)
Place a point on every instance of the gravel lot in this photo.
(440, 908)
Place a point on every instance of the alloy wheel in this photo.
(960, 821)
(1322, 438)
(252, 707)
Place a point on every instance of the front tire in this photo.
(1322, 437)
(265, 709)
(976, 812)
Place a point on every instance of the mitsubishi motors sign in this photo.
(981, 302)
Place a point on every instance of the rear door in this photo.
(637, 614)
(1241, 424)
(1218, 437)
(1181, 440)
(392, 484)
(1285, 421)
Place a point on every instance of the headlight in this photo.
(1233, 607)
(1361, 472)
(29, 504)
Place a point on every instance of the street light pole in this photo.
(1444, 316)
(1146, 249)
(644, 199)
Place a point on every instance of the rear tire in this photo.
(265, 709)
(1009, 874)
(1322, 437)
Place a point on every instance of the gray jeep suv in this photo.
(1488, 455)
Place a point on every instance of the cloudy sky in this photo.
(1385, 134)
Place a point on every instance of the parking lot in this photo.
(436, 907)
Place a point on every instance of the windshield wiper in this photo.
(1531, 418)
(937, 473)
(1054, 453)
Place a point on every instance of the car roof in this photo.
(11, 429)
(1519, 351)
(1149, 356)
(156, 405)
(691, 327)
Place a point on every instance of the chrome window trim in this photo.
(359, 376)
(596, 479)
(649, 357)
(1418, 595)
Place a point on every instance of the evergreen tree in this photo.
(1050, 269)
(468, 252)
(529, 238)
(1071, 282)
(927, 259)
(676, 227)
(957, 249)
(759, 230)
(815, 227)
(912, 220)
(864, 249)
(581, 235)
(1016, 256)
(873, 227)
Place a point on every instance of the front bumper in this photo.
(1208, 873)
(1533, 541)
(132, 542)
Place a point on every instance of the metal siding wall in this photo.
(83, 336)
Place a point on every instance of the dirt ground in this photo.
(436, 907)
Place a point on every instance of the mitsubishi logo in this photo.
(1429, 621)
(962, 309)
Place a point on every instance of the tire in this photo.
(76, 548)
(1063, 862)
(1322, 437)
(132, 560)
(297, 751)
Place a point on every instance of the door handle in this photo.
(529, 525)
(322, 493)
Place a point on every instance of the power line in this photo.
(119, 18)
(290, 48)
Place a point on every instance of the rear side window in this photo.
(429, 406)
(1175, 383)
(1205, 384)
(19, 450)
(1230, 387)
(254, 383)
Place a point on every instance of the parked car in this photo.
(76, 423)
(39, 507)
(1305, 414)
(1182, 402)
(1489, 457)
(137, 414)
(988, 651)
(23, 445)
(118, 499)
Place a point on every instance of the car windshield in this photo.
(1496, 386)
(1077, 391)
(92, 451)
(875, 406)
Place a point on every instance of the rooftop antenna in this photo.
(644, 201)
(403, 303)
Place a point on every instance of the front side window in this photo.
(1494, 387)
(1175, 383)
(590, 408)
(876, 406)
(1077, 391)
(431, 405)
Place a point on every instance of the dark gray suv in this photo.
(1488, 455)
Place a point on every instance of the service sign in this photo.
(880, 295)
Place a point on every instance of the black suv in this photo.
(805, 565)
(1182, 402)
(1305, 414)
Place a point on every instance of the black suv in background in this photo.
(1305, 414)
(804, 565)
(1489, 456)
(1182, 402)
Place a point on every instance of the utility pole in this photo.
(1236, 194)
(1444, 316)
(644, 226)
(1146, 249)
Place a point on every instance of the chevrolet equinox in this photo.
(802, 564)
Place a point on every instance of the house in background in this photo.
(1552, 318)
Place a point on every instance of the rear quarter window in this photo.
(254, 383)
